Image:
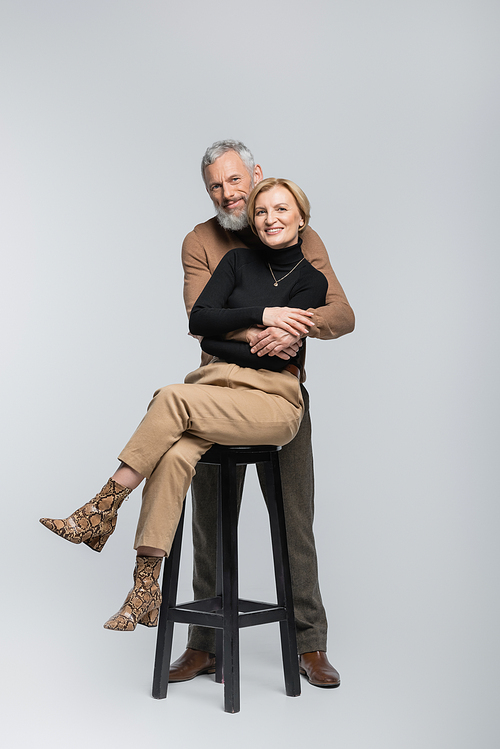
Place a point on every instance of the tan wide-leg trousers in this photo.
(221, 403)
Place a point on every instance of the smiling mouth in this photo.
(232, 204)
(274, 230)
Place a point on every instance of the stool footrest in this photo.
(190, 616)
(204, 604)
(208, 612)
(260, 615)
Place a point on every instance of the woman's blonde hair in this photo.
(267, 184)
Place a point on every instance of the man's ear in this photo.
(257, 174)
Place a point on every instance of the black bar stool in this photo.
(226, 612)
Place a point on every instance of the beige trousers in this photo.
(219, 402)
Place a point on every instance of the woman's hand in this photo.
(292, 320)
(274, 342)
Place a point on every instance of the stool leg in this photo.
(219, 639)
(219, 650)
(282, 573)
(231, 654)
(166, 626)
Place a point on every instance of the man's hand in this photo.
(273, 341)
(290, 319)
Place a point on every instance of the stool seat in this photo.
(225, 611)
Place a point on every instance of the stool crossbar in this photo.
(226, 612)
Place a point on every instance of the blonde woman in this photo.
(239, 398)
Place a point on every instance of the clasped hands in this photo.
(281, 332)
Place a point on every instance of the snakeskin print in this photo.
(142, 605)
(93, 523)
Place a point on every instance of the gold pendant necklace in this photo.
(277, 280)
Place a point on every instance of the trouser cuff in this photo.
(201, 638)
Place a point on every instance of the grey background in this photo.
(386, 113)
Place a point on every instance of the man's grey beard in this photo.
(231, 221)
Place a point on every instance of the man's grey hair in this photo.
(223, 146)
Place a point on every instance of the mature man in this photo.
(229, 173)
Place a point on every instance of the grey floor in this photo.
(67, 682)
(89, 687)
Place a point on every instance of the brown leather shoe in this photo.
(318, 670)
(190, 664)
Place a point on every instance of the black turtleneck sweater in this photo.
(239, 290)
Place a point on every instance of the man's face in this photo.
(229, 184)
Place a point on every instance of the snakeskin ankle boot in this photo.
(142, 605)
(93, 523)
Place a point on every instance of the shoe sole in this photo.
(198, 673)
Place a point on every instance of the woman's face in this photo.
(277, 218)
